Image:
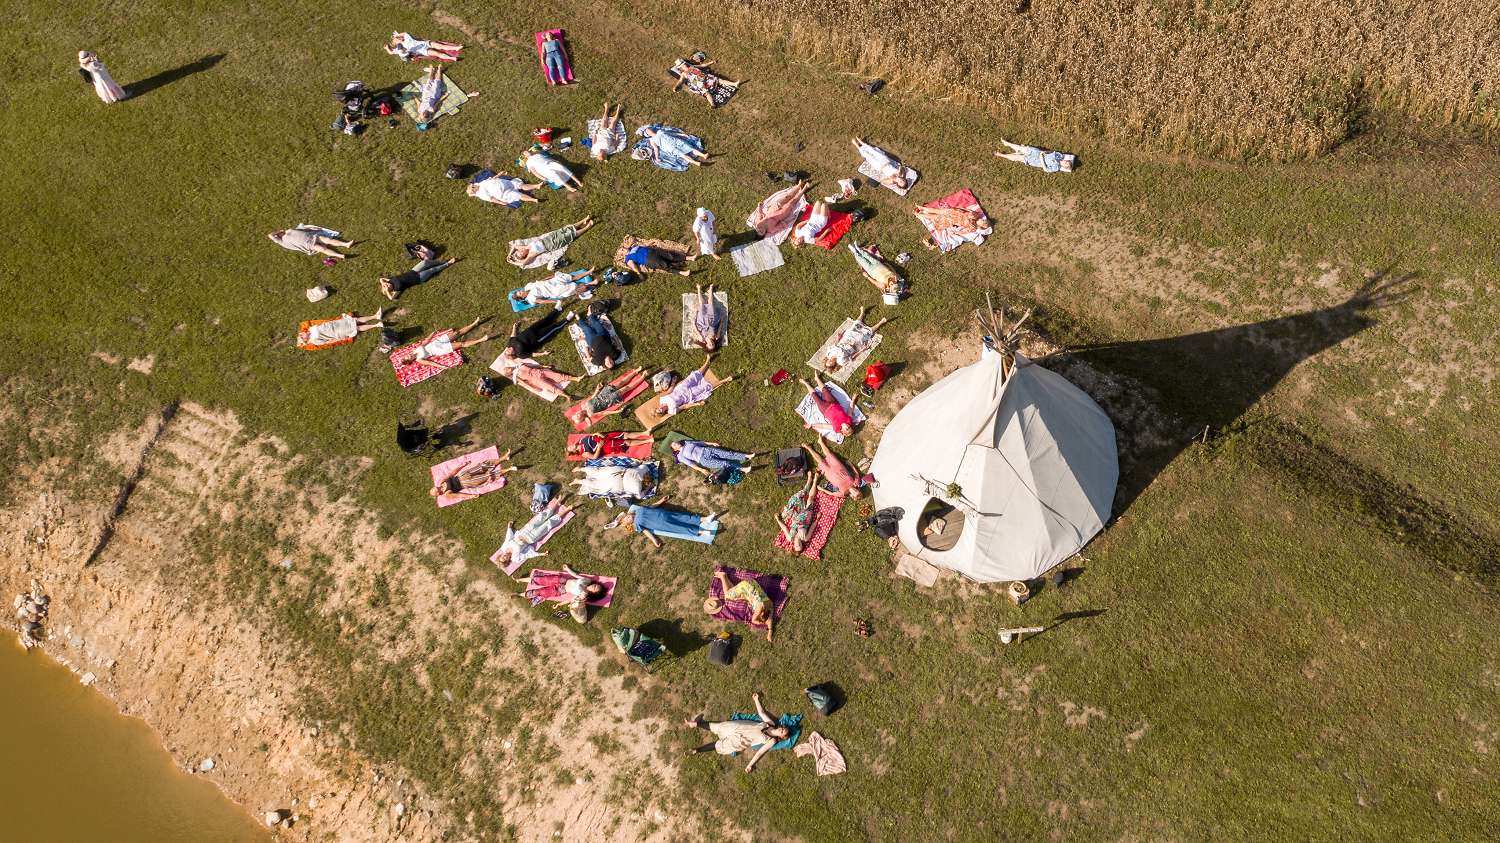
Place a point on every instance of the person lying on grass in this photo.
(501, 189)
(708, 321)
(692, 391)
(442, 345)
(607, 399)
(873, 267)
(406, 47)
(711, 459)
(808, 230)
(427, 266)
(556, 288)
(521, 546)
(525, 251)
(550, 170)
(850, 342)
(734, 736)
(796, 519)
(693, 73)
(310, 241)
(527, 341)
(836, 471)
(473, 476)
(1032, 156)
(613, 444)
(748, 591)
(604, 142)
(828, 404)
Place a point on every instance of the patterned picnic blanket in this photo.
(410, 96)
(409, 373)
(826, 507)
(776, 586)
(947, 240)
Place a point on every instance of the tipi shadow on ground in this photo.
(1209, 380)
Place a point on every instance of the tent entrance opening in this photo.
(940, 525)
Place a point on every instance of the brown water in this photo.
(73, 768)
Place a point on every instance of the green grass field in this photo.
(1297, 635)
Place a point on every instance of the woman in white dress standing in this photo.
(104, 84)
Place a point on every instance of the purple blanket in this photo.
(776, 587)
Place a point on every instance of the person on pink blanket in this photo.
(521, 546)
(828, 404)
(443, 345)
(836, 471)
(473, 476)
(548, 383)
(577, 589)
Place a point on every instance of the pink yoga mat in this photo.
(543, 584)
(510, 570)
(444, 469)
(567, 59)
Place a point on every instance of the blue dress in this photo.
(672, 524)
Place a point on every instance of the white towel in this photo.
(808, 410)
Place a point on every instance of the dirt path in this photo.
(215, 684)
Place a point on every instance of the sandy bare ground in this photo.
(215, 684)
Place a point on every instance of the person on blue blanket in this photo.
(664, 142)
(736, 736)
(1032, 156)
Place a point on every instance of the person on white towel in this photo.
(550, 170)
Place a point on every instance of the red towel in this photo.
(826, 507)
(839, 223)
(575, 412)
(636, 452)
(408, 373)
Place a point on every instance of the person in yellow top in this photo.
(745, 591)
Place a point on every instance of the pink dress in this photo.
(832, 410)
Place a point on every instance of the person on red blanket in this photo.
(443, 345)
(836, 471)
(609, 398)
(796, 519)
(612, 444)
(828, 404)
(808, 230)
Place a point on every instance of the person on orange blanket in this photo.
(613, 444)
(341, 330)
(443, 345)
(473, 476)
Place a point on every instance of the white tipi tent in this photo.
(1027, 459)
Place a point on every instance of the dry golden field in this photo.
(1227, 78)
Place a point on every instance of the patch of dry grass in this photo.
(1229, 78)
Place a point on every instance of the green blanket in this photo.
(453, 98)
